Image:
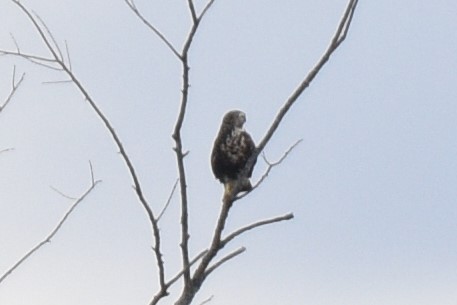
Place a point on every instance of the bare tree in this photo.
(194, 269)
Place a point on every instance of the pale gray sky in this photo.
(372, 185)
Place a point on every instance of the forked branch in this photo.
(180, 154)
(14, 86)
(270, 166)
(51, 235)
(136, 11)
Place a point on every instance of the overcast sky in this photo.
(373, 185)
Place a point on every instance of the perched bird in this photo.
(232, 149)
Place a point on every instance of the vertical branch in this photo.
(182, 174)
(200, 273)
(180, 155)
(191, 5)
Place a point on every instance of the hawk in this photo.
(232, 149)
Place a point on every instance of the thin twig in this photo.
(191, 263)
(225, 259)
(92, 177)
(5, 150)
(162, 37)
(13, 81)
(27, 56)
(205, 9)
(48, 238)
(40, 31)
(255, 225)
(57, 82)
(192, 11)
(269, 168)
(35, 59)
(62, 193)
(14, 86)
(207, 300)
(168, 200)
(56, 47)
(337, 39)
(15, 42)
(67, 51)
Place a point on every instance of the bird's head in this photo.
(235, 118)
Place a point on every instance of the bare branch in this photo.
(162, 37)
(58, 52)
(40, 30)
(205, 9)
(192, 11)
(168, 200)
(180, 156)
(35, 59)
(54, 82)
(191, 263)
(14, 86)
(256, 225)
(67, 51)
(6, 149)
(28, 56)
(48, 238)
(62, 193)
(225, 259)
(179, 145)
(200, 272)
(284, 156)
(173, 280)
(15, 42)
(207, 300)
(131, 169)
(269, 168)
(336, 41)
(91, 172)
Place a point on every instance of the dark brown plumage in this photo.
(232, 149)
